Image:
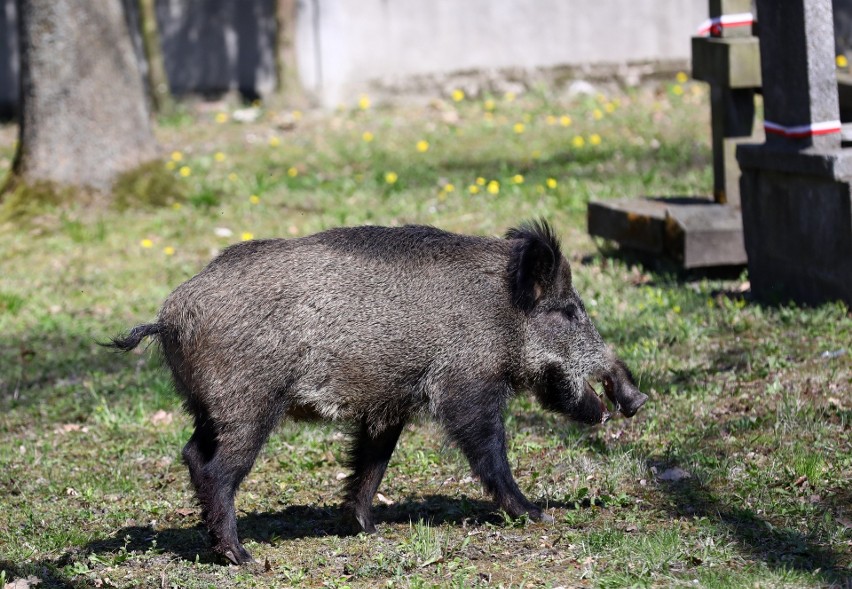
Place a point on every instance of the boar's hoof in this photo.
(235, 554)
(546, 518)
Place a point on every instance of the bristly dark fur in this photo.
(534, 264)
(134, 338)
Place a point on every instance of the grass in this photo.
(752, 402)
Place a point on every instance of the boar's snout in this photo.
(621, 389)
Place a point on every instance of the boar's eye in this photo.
(569, 312)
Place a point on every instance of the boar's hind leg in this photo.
(482, 438)
(219, 457)
(371, 451)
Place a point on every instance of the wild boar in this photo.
(372, 326)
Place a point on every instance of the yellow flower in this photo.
(422, 146)
(245, 236)
(449, 187)
(609, 107)
(565, 120)
(367, 137)
(170, 166)
(297, 115)
(681, 78)
(597, 114)
(219, 156)
(550, 120)
(292, 171)
(677, 90)
(391, 177)
(551, 183)
(222, 117)
(185, 171)
(480, 181)
(493, 187)
(518, 128)
(146, 243)
(473, 189)
(177, 156)
(518, 179)
(509, 96)
(232, 177)
(578, 141)
(169, 250)
(488, 105)
(536, 153)
(176, 206)
(364, 102)
(842, 61)
(457, 95)
(595, 139)
(254, 199)
(274, 141)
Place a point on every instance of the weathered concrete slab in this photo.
(696, 232)
(727, 62)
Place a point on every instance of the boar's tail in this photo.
(136, 335)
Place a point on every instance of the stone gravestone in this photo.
(796, 188)
(698, 232)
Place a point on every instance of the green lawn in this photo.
(750, 405)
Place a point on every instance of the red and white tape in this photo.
(799, 131)
(714, 26)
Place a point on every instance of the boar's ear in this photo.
(534, 263)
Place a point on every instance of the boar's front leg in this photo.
(369, 456)
(475, 424)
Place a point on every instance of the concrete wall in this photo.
(343, 46)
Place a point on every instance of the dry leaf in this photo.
(383, 499)
(162, 418)
(30, 581)
(185, 511)
(673, 474)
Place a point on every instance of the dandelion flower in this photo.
(493, 187)
(146, 243)
(449, 187)
(842, 61)
(254, 199)
(366, 137)
(677, 90)
(177, 156)
(422, 146)
(232, 177)
(170, 166)
(274, 141)
(169, 250)
(597, 114)
(297, 115)
(551, 183)
(595, 139)
(609, 107)
(681, 78)
(518, 128)
(509, 96)
(473, 189)
(176, 206)
(222, 117)
(457, 95)
(219, 156)
(292, 171)
(565, 120)
(391, 177)
(480, 181)
(488, 105)
(245, 236)
(518, 179)
(578, 141)
(364, 102)
(185, 171)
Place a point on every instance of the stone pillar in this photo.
(796, 188)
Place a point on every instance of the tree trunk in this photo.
(158, 82)
(285, 52)
(84, 114)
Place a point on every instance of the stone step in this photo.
(696, 232)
